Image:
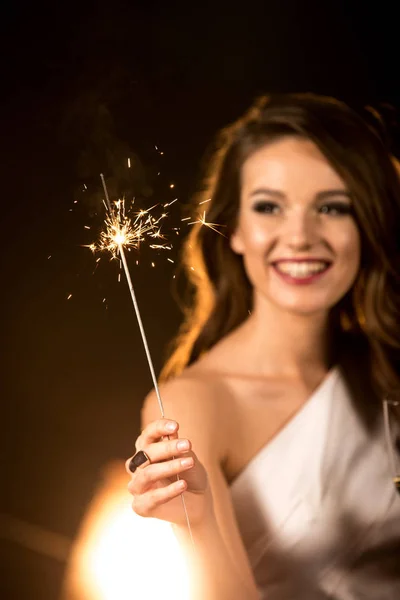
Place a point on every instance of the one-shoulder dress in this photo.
(317, 509)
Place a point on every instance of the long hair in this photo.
(220, 294)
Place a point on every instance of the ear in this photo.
(236, 242)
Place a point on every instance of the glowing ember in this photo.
(202, 221)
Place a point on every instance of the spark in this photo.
(169, 203)
(49, 257)
(170, 260)
(85, 186)
(70, 296)
(91, 247)
(152, 264)
(129, 163)
(124, 229)
(86, 227)
(172, 186)
(157, 234)
(204, 201)
(186, 219)
(202, 221)
(120, 231)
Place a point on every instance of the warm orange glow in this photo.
(120, 556)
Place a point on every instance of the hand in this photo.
(155, 487)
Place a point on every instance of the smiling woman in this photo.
(279, 382)
(348, 155)
(295, 231)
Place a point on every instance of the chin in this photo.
(305, 309)
(307, 312)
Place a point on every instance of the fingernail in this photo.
(187, 462)
(183, 445)
(170, 426)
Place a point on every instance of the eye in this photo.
(266, 207)
(336, 209)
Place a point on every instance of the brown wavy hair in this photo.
(219, 299)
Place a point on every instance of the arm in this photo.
(218, 566)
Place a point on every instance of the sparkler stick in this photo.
(135, 304)
(119, 239)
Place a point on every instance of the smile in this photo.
(301, 271)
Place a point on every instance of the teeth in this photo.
(301, 269)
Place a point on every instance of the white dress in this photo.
(317, 508)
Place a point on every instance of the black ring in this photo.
(139, 459)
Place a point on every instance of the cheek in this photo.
(257, 239)
(348, 246)
(257, 242)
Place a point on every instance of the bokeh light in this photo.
(121, 556)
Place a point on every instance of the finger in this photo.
(140, 459)
(167, 449)
(155, 431)
(147, 478)
(145, 505)
(160, 451)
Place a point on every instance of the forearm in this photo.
(213, 575)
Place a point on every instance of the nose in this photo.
(300, 231)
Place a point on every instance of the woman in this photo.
(289, 346)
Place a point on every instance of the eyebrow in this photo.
(268, 192)
(320, 196)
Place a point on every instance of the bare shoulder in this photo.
(198, 400)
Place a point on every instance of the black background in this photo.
(84, 86)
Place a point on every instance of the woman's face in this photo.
(299, 241)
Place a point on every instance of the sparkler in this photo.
(120, 233)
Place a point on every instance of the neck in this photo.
(285, 343)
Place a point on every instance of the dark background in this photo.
(84, 86)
